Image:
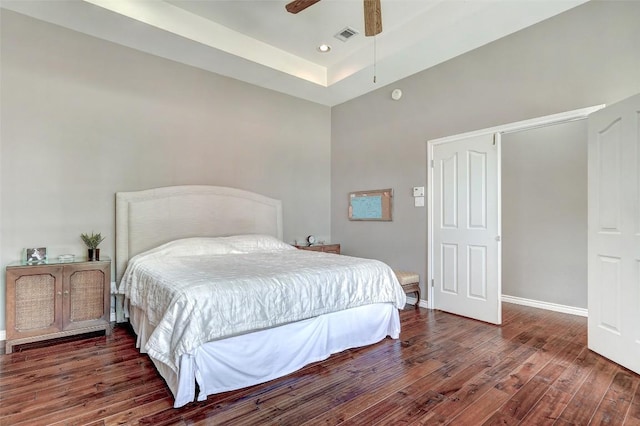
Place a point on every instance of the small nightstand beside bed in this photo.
(216, 298)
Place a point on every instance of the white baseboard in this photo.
(572, 310)
(3, 335)
(412, 300)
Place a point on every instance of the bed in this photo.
(219, 302)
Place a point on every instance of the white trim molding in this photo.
(3, 335)
(571, 310)
(518, 126)
(412, 301)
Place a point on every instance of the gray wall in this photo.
(586, 56)
(544, 214)
(82, 118)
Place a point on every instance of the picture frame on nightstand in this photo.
(35, 255)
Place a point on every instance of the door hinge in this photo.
(494, 139)
(433, 282)
(432, 164)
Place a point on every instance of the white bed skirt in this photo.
(264, 355)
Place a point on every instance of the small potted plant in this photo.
(92, 242)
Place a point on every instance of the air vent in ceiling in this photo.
(346, 34)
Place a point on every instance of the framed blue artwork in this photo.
(370, 205)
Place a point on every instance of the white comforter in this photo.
(201, 289)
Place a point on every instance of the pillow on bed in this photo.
(195, 246)
(235, 244)
(252, 243)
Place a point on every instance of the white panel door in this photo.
(614, 233)
(466, 228)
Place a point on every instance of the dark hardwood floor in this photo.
(534, 370)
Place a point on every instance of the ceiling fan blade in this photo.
(299, 5)
(372, 17)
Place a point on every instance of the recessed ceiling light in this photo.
(324, 48)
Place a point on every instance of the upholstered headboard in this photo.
(146, 219)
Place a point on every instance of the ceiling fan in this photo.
(372, 14)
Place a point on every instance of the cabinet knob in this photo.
(59, 293)
(66, 292)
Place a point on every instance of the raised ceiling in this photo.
(259, 42)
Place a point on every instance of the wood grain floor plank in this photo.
(91, 387)
(482, 408)
(81, 406)
(426, 393)
(474, 389)
(25, 359)
(616, 402)
(70, 377)
(548, 408)
(463, 358)
(115, 409)
(583, 405)
(531, 366)
(530, 393)
(533, 370)
(576, 373)
(633, 416)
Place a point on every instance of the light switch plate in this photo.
(418, 191)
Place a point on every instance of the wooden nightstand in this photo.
(325, 248)
(57, 299)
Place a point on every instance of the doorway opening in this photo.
(453, 190)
